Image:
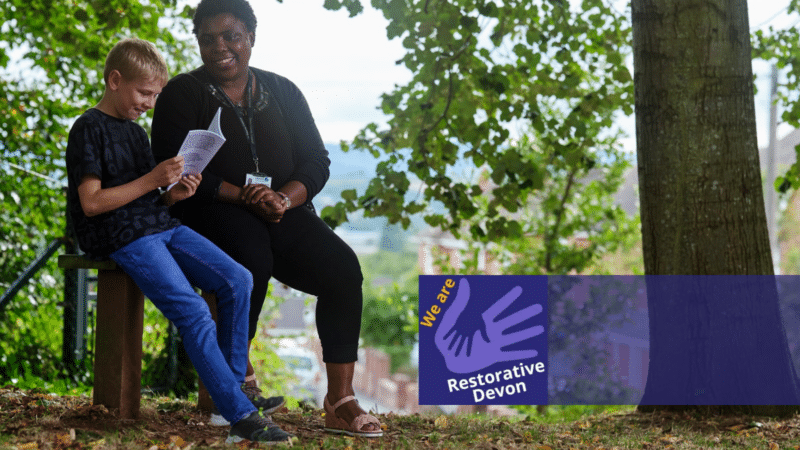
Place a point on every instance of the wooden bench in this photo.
(118, 329)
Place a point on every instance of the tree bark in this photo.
(702, 207)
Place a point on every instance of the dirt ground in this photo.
(52, 421)
(40, 420)
(33, 420)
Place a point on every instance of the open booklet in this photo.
(200, 146)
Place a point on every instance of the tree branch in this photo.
(549, 238)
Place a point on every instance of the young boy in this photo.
(118, 212)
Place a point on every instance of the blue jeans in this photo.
(165, 266)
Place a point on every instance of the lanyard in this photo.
(249, 112)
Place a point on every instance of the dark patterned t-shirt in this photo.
(118, 152)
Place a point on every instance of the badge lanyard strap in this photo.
(247, 127)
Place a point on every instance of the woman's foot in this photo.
(340, 386)
(345, 416)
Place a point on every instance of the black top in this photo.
(288, 144)
(117, 151)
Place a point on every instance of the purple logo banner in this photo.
(651, 340)
(483, 340)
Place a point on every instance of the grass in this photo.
(38, 420)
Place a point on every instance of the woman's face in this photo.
(225, 46)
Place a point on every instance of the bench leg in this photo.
(118, 345)
(204, 401)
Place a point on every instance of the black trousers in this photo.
(300, 251)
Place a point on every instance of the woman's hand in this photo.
(267, 213)
(185, 188)
(263, 202)
(255, 193)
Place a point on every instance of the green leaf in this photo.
(782, 185)
(469, 23)
(349, 195)
(333, 215)
(332, 5)
(622, 75)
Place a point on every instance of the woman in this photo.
(254, 200)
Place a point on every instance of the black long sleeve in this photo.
(289, 145)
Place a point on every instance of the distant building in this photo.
(788, 223)
(362, 242)
(433, 243)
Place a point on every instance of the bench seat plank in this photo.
(69, 261)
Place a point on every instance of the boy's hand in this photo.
(185, 188)
(168, 172)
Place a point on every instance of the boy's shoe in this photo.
(217, 420)
(258, 428)
(266, 405)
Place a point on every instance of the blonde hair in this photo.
(136, 59)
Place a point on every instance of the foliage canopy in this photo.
(481, 68)
(779, 46)
(51, 64)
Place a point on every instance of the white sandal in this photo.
(335, 424)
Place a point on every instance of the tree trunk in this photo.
(702, 208)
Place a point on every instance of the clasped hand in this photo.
(263, 202)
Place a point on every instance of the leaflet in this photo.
(200, 146)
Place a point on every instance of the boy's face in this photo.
(133, 97)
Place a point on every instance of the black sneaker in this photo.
(266, 405)
(258, 428)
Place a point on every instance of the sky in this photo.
(343, 64)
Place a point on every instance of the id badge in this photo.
(258, 178)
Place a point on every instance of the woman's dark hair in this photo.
(240, 9)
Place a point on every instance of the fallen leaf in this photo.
(28, 446)
(177, 441)
(63, 439)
